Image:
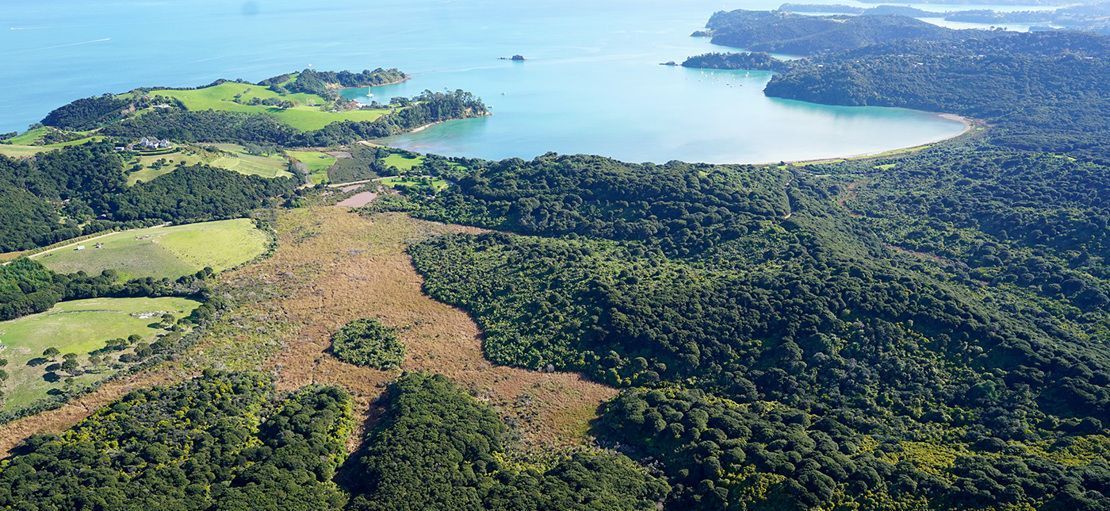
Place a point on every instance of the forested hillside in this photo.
(1043, 91)
(777, 296)
(797, 34)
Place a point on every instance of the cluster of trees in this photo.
(798, 34)
(437, 447)
(82, 189)
(88, 113)
(203, 126)
(368, 343)
(219, 442)
(1042, 91)
(744, 60)
(427, 108)
(198, 193)
(325, 83)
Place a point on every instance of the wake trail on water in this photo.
(68, 45)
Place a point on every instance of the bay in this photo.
(592, 82)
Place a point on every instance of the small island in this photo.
(756, 61)
(514, 58)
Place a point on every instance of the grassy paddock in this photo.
(162, 251)
(78, 327)
(402, 162)
(316, 164)
(307, 113)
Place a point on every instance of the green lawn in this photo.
(162, 251)
(316, 164)
(307, 113)
(402, 162)
(78, 327)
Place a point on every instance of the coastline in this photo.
(968, 123)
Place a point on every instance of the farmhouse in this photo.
(154, 143)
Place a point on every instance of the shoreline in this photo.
(968, 123)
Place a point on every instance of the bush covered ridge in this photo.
(438, 448)
(216, 442)
(758, 285)
(226, 441)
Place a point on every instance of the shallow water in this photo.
(592, 83)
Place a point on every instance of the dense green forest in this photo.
(222, 441)
(368, 343)
(944, 328)
(226, 441)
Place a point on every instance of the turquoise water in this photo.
(592, 83)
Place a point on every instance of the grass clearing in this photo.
(159, 252)
(316, 164)
(402, 162)
(436, 184)
(27, 151)
(307, 114)
(78, 327)
(236, 158)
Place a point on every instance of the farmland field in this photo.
(307, 114)
(162, 251)
(402, 162)
(316, 164)
(235, 157)
(231, 157)
(78, 327)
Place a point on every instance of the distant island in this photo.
(799, 34)
(1088, 18)
(514, 58)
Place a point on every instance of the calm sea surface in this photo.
(592, 82)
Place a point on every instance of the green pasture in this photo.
(159, 252)
(78, 327)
